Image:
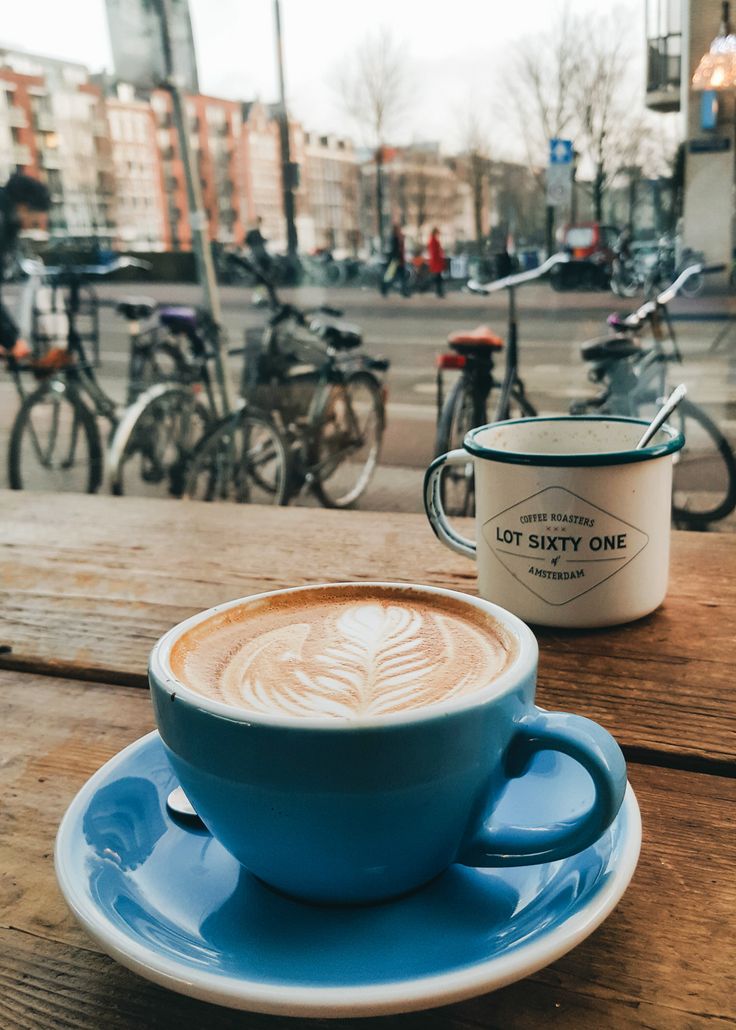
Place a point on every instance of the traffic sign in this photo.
(559, 185)
(561, 152)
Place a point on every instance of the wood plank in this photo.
(665, 958)
(87, 584)
(45, 985)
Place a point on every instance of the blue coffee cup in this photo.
(346, 811)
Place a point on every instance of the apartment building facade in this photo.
(679, 33)
(140, 210)
(331, 178)
(110, 155)
(421, 189)
(58, 131)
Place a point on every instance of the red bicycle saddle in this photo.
(465, 340)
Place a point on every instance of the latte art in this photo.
(341, 656)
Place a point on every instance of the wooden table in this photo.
(87, 584)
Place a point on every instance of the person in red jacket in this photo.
(436, 261)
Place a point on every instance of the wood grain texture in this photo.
(666, 958)
(87, 584)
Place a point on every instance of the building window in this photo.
(664, 45)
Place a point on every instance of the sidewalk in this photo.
(393, 488)
(399, 488)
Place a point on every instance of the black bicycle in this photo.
(183, 438)
(55, 441)
(633, 380)
(477, 396)
(306, 369)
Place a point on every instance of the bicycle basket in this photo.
(283, 380)
(49, 322)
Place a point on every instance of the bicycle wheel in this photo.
(624, 282)
(704, 473)
(347, 440)
(154, 440)
(459, 416)
(693, 286)
(54, 442)
(160, 361)
(242, 459)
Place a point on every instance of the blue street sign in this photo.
(561, 152)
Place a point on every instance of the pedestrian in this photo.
(436, 261)
(24, 204)
(256, 242)
(396, 268)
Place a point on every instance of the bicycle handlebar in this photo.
(38, 269)
(674, 288)
(519, 278)
(637, 318)
(284, 310)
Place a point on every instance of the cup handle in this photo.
(433, 504)
(590, 745)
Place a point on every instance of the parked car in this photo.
(587, 239)
(591, 247)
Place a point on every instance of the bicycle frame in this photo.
(80, 372)
(642, 379)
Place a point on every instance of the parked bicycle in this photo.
(327, 397)
(181, 438)
(477, 396)
(55, 441)
(649, 270)
(633, 381)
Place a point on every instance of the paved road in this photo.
(412, 332)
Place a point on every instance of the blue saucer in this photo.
(169, 902)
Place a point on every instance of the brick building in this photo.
(140, 209)
(331, 177)
(19, 151)
(421, 189)
(60, 134)
(261, 160)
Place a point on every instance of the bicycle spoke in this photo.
(347, 441)
(243, 461)
(54, 444)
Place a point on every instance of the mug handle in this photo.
(433, 504)
(599, 754)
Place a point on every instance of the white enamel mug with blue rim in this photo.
(573, 523)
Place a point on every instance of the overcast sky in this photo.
(457, 50)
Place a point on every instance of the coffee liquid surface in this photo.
(345, 654)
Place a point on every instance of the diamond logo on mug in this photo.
(559, 545)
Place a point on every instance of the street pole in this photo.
(574, 194)
(549, 230)
(197, 213)
(287, 169)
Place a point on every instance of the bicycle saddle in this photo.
(471, 341)
(608, 348)
(340, 335)
(179, 319)
(133, 309)
(617, 322)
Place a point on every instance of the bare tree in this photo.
(541, 78)
(373, 88)
(602, 100)
(580, 82)
(475, 166)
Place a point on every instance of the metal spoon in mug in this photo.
(662, 415)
